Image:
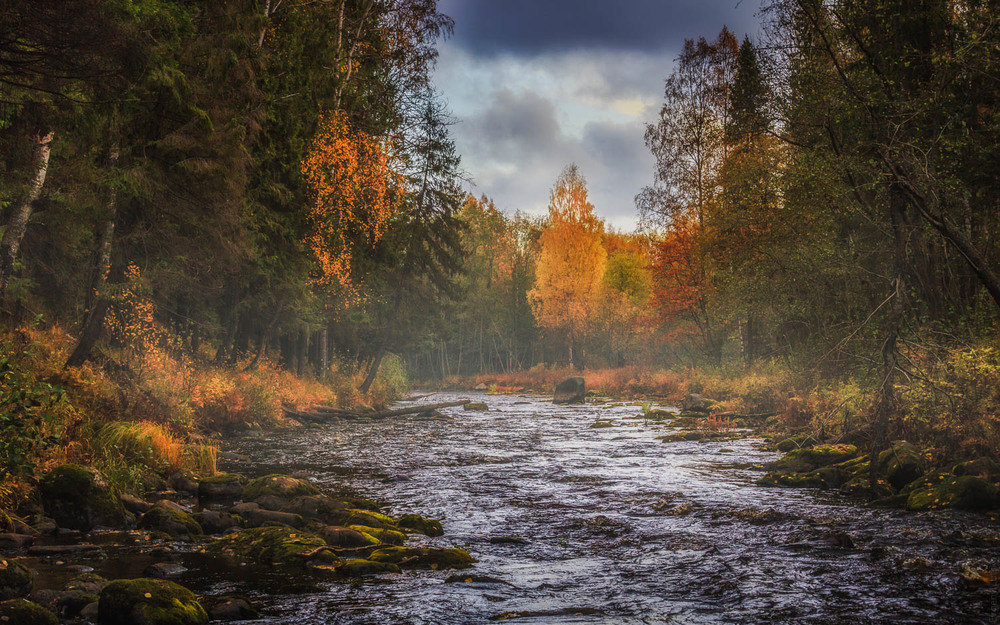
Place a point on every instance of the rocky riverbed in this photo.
(523, 511)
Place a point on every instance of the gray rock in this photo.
(697, 403)
(229, 608)
(133, 504)
(570, 391)
(163, 570)
(183, 482)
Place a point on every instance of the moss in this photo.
(362, 517)
(476, 405)
(149, 602)
(357, 568)
(950, 491)
(222, 478)
(15, 580)
(221, 486)
(361, 503)
(860, 486)
(80, 498)
(811, 458)
(980, 467)
(423, 558)
(23, 612)
(601, 424)
(276, 485)
(271, 545)
(417, 523)
(170, 521)
(381, 535)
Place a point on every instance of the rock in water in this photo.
(15, 580)
(696, 403)
(149, 602)
(79, 498)
(570, 391)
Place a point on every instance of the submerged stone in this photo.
(423, 557)
(359, 567)
(149, 602)
(272, 546)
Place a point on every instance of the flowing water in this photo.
(610, 525)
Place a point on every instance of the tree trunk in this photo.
(373, 369)
(21, 212)
(97, 300)
(324, 355)
(265, 338)
(887, 391)
(303, 351)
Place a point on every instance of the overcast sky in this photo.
(538, 84)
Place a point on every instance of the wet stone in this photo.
(163, 570)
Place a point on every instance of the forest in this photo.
(222, 216)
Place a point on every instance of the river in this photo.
(610, 525)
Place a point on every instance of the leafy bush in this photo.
(33, 411)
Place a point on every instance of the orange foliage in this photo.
(354, 188)
(571, 259)
(681, 285)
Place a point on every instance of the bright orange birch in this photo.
(354, 190)
(571, 260)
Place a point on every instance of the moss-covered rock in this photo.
(80, 498)
(860, 486)
(347, 538)
(221, 486)
(381, 534)
(423, 557)
(950, 491)
(362, 517)
(421, 525)
(282, 486)
(149, 602)
(791, 443)
(476, 405)
(15, 580)
(900, 464)
(170, 521)
(361, 503)
(359, 567)
(229, 608)
(274, 546)
(811, 458)
(24, 612)
(318, 507)
(983, 467)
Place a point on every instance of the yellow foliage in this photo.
(571, 260)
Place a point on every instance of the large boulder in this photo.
(570, 391)
(148, 602)
(23, 612)
(900, 464)
(80, 498)
(216, 521)
(348, 538)
(949, 491)
(694, 402)
(15, 580)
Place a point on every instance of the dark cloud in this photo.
(515, 124)
(532, 27)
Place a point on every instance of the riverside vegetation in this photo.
(218, 216)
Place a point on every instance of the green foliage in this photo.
(33, 411)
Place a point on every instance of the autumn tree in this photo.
(571, 260)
